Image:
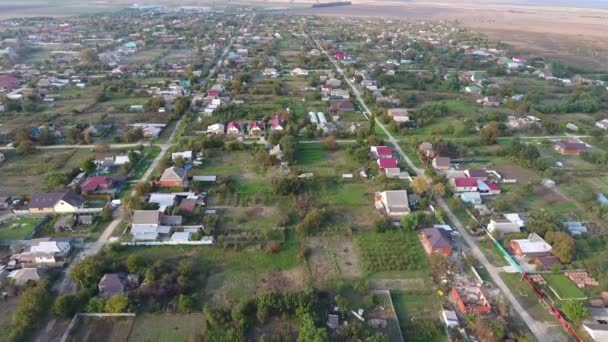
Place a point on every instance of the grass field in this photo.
(170, 328)
(17, 228)
(309, 154)
(418, 315)
(393, 250)
(564, 288)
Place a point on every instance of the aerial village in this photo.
(212, 173)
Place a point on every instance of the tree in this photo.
(184, 304)
(329, 143)
(412, 221)
(420, 185)
(309, 332)
(55, 180)
(31, 307)
(288, 145)
(88, 56)
(180, 105)
(133, 134)
(575, 310)
(106, 214)
(25, 147)
(135, 263)
(489, 133)
(66, 306)
(95, 304)
(86, 273)
(116, 304)
(439, 188)
(89, 166)
(102, 147)
(541, 222)
(563, 245)
(311, 222)
(142, 188)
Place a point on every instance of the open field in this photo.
(393, 250)
(90, 329)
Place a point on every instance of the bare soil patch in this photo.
(512, 171)
(285, 281)
(548, 195)
(332, 257)
(102, 329)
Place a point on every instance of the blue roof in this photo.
(131, 45)
(481, 186)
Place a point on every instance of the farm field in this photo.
(171, 328)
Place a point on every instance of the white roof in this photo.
(145, 236)
(184, 154)
(51, 247)
(181, 236)
(163, 200)
(533, 246)
(121, 160)
(514, 218)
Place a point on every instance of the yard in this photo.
(418, 315)
(17, 228)
(170, 328)
(563, 287)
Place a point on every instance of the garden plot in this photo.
(394, 250)
(418, 314)
(332, 257)
(563, 288)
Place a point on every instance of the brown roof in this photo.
(42, 200)
(436, 237)
(174, 174)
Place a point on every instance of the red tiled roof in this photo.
(465, 182)
(384, 150)
(8, 82)
(493, 186)
(253, 124)
(387, 163)
(234, 124)
(93, 183)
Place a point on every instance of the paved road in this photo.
(539, 329)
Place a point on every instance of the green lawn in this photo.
(418, 315)
(309, 154)
(527, 297)
(564, 287)
(17, 228)
(353, 194)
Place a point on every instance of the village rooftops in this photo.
(146, 217)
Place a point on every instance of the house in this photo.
(181, 236)
(174, 177)
(570, 147)
(338, 94)
(502, 226)
(151, 224)
(187, 156)
(270, 72)
(473, 198)
(215, 129)
(276, 152)
(55, 202)
(426, 148)
(58, 247)
(276, 123)
(441, 163)
(602, 124)
(387, 163)
(8, 83)
(465, 184)
(255, 128)
(343, 107)
(546, 262)
(381, 152)
(394, 202)
(64, 222)
(24, 276)
(490, 101)
(188, 204)
(234, 128)
(533, 246)
(470, 300)
(450, 318)
(112, 284)
(399, 115)
(597, 324)
(299, 72)
(97, 184)
(478, 174)
(435, 240)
